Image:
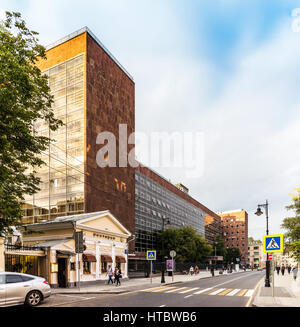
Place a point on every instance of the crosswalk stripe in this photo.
(163, 289)
(217, 291)
(176, 290)
(233, 292)
(242, 292)
(249, 293)
(189, 290)
(226, 291)
(205, 290)
(152, 289)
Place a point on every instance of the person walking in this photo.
(191, 270)
(212, 270)
(117, 276)
(295, 272)
(282, 269)
(278, 269)
(196, 270)
(289, 268)
(110, 274)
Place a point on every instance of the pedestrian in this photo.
(289, 269)
(282, 269)
(110, 273)
(117, 276)
(191, 270)
(278, 269)
(212, 270)
(196, 270)
(295, 271)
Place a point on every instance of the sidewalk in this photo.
(286, 292)
(128, 285)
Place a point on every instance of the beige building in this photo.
(49, 249)
(256, 256)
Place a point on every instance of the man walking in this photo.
(289, 269)
(212, 270)
(278, 269)
(282, 269)
(295, 271)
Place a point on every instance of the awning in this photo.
(88, 257)
(63, 252)
(120, 259)
(106, 258)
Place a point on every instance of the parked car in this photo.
(259, 268)
(17, 288)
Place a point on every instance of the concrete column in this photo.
(113, 256)
(2, 256)
(53, 276)
(98, 261)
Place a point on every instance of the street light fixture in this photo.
(163, 251)
(259, 213)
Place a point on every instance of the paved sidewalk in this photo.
(133, 284)
(286, 292)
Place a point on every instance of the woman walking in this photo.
(282, 269)
(117, 276)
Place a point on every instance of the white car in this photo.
(17, 288)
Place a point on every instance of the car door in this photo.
(2, 289)
(16, 289)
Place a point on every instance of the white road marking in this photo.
(81, 297)
(163, 289)
(189, 290)
(249, 293)
(217, 291)
(233, 292)
(176, 289)
(202, 291)
(188, 296)
(161, 306)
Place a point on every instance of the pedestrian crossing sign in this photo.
(273, 243)
(151, 255)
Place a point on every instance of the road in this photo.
(232, 290)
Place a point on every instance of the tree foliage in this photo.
(232, 254)
(292, 227)
(189, 246)
(24, 100)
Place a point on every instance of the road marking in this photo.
(217, 291)
(242, 292)
(189, 290)
(225, 292)
(233, 292)
(188, 296)
(153, 289)
(202, 291)
(161, 306)
(249, 293)
(176, 289)
(81, 297)
(163, 289)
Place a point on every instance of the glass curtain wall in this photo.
(62, 177)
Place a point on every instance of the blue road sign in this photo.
(273, 243)
(151, 255)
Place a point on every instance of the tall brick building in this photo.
(92, 93)
(235, 231)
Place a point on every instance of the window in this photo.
(86, 267)
(13, 279)
(2, 279)
(26, 278)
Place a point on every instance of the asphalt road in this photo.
(232, 290)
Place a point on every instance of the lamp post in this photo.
(163, 252)
(258, 213)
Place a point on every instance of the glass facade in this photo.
(62, 177)
(153, 203)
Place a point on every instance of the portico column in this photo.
(113, 256)
(98, 261)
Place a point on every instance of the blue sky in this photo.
(227, 68)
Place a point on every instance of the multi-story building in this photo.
(235, 231)
(158, 201)
(256, 257)
(92, 93)
(213, 227)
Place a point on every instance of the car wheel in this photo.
(33, 298)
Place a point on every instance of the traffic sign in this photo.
(273, 243)
(151, 255)
(79, 245)
(270, 256)
(172, 254)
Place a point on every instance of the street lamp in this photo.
(163, 251)
(259, 213)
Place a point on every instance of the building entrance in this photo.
(62, 272)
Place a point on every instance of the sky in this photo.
(226, 68)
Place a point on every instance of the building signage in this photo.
(151, 255)
(273, 243)
(169, 265)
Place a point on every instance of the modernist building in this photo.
(235, 231)
(92, 93)
(158, 202)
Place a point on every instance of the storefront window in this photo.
(103, 266)
(86, 267)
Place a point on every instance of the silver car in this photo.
(16, 288)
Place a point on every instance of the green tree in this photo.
(189, 246)
(292, 227)
(232, 254)
(25, 99)
(219, 246)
